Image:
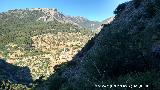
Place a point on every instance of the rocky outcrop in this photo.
(53, 14)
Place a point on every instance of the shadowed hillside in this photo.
(125, 52)
(12, 76)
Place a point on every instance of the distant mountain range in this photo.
(49, 14)
(54, 14)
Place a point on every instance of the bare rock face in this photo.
(53, 14)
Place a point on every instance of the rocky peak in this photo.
(80, 19)
(54, 14)
(48, 11)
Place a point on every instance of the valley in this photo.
(44, 49)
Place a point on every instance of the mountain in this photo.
(51, 14)
(30, 47)
(124, 55)
(54, 14)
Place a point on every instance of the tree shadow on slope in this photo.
(10, 74)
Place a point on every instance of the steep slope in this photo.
(125, 52)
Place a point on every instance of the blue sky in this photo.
(92, 9)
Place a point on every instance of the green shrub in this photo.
(152, 8)
(119, 9)
(137, 3)
(7, 85)
(56, 83)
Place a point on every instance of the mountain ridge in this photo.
(51, 14)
